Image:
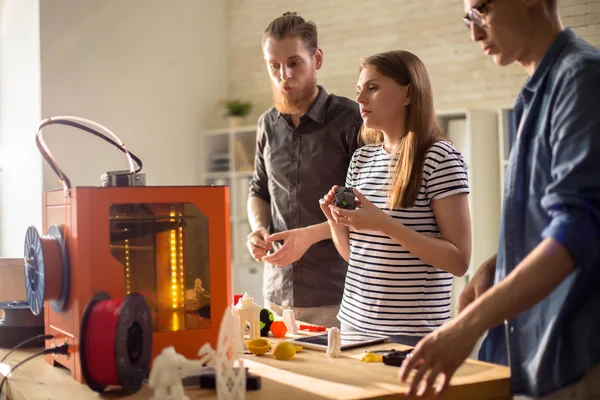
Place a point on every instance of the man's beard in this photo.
(297, 101)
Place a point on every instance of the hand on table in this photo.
(438, 354)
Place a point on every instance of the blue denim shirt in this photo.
(553, 191)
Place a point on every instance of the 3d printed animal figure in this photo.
(169, 368)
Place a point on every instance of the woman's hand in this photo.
(327, 202)
(339, 232)
(366, 217)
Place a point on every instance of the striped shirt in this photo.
(388, 290)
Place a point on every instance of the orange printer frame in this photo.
(93, 269)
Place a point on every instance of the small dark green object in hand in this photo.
(344, 198)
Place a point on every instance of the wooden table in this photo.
(310, 375)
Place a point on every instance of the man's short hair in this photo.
(290, 24)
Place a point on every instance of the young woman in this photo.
(411, 232)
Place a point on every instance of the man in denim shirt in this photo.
(540, 296)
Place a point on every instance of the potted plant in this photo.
(237, 110)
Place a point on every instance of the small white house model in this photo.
(247, 311)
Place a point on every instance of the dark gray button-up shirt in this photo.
(293, 169)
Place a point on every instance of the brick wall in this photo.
(462, 76)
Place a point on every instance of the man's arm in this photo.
(259, 213)
(295, 243)
(532, 281)
(258, 207)
(318, 232)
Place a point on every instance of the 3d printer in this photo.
(126, 270)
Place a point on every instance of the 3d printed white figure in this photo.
(334, 342)
(289, 319)
(197, 296)
(207, 355)
(231, 374)
(170, 367)
(247, 311)
(198, 287)
(165, 377)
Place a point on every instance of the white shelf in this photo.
(227, 175)
(237, 145)
(217, 175)
(243, 174)
(230, 131)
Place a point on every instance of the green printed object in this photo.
(345, 198)
(266, 319)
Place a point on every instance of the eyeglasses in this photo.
(475, 15)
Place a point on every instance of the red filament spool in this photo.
(116, 342)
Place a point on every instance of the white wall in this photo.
(149, 70)
(462, 76)
(20, 161)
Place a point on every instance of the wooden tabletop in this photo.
(310, 375)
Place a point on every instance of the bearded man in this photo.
(303, 147)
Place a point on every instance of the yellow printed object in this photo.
(258, 346)
(284, 351)
(372, 357)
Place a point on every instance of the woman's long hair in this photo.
(422, 126)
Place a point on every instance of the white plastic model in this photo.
(207, 354)
(196, 297)
(231, 374)
(334, 342)
(165, 376)
(247, 311)
(289, 319)
(170, 367)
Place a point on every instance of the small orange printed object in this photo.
(278, 329)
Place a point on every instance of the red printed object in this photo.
(236, 298)
(313, 328)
